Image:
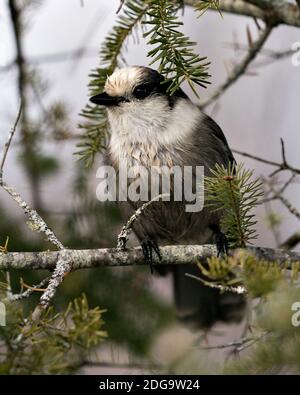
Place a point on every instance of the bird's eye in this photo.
(142, 91)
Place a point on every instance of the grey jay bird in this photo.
(150, 127)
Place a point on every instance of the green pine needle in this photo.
(203, 5)
(233, 192)
(95, 129)
(172, 49)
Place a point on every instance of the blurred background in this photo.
(60, 43)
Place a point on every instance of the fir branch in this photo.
(231, 191)
(173, 50)
(204, 5)
(95, 129)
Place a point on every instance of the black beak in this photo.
(103, 99)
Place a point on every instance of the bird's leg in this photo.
(148, 246)
(220, 240)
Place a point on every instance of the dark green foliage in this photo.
(134, 315)
(173, 50)
(232, 192)
(58, 343)
(270, 343)
(203, 5)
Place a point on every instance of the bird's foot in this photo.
(148, 246)
(221, 244)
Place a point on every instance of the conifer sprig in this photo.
(173, 50)
(203, 5)
(94, 138)
(232, 191)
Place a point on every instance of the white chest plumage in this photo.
(146, 135)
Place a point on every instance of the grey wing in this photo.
(218, 139)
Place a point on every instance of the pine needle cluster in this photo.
(203, 5)
(232, 192)
(58, 343)
(95, 128)
(173, 50)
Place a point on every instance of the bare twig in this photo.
(270, 54)
(223, 288)
(235, 343)
(123, 235)
(56, 57)
(280, 165)
(278, 195)
(16, 16)
(36, 222)
(291, 242)
(241, 68)
(7, 145)
(29, 291)
(293, 210)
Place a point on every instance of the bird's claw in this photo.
(148, 246)
(221, 244)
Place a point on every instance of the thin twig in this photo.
(293, 210)
(241, 68)
(29, 291)
(277, 195)
(56, 57)
(124, 234)
(280, 165)
(234, 343)
(240, 290)
(291, 241)
(36, 222)
(7, 144)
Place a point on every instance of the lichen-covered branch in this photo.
(36, 222)
(112, 257)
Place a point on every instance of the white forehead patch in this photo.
(123, 80)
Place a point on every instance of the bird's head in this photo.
(134, 87)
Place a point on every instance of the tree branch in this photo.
(286, 13)
(241, 68)
(112, 257)
(291, 242)
(280, 165)
(7, 144)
